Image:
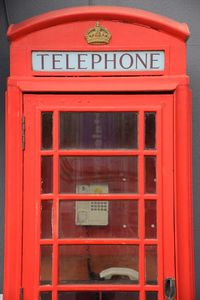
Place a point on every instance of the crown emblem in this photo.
(98, 35)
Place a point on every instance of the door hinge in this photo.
(23, 132)
(21, 293)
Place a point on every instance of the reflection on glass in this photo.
(98, 174)
(47, 126)
(150, 219)
(78, 295)
(45, 264)
(98, 295)
(120, 296)
(46, 219)
(46, 174)
(45, 295)
(98, 264)
(150, 174)
(151, 295)
(98, 130)
(121, 217)
(151, 264)
(150, 130)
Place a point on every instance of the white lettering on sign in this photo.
(50, 61)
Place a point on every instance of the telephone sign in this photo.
(98, 61)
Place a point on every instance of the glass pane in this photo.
(46, 219)
(98, 295)
(150, 219)
(45, 295)
(47, 126)
(150, 130)
(85, 219)
(78, 296)
(98, 175)
(151, 264)
(151, 295)
(45, 264)
(47, 174)
(150, 174)
(98, 264)
(98, 130)
(120, 296)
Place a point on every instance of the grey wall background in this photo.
(13, 11)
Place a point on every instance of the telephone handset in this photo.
(110, 272)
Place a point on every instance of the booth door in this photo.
(98, 196)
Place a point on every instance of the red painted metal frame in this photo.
(33, 105)
(14, 195)
(183, 193)
(25, 37)
(184, 266)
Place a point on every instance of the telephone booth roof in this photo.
(129, 15)
(130, 30)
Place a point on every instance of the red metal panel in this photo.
(32, 209)
(70, 26)
(13, 204)
(183, 194)
(100, 84)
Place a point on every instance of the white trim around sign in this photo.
(99, 61)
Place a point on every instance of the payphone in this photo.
(99, 134)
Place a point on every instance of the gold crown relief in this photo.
(98, 35)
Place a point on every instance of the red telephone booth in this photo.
(98, 168)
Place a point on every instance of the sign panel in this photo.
(115, 61)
